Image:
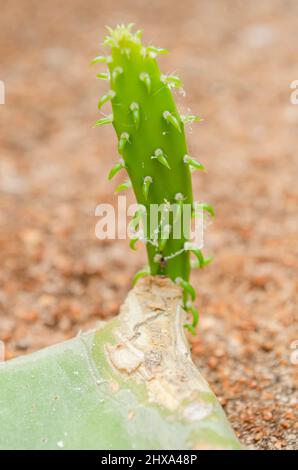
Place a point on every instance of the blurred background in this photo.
(237, 60)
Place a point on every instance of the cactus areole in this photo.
(153, 151)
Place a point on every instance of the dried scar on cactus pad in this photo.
(153, 152)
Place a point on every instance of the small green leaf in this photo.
(142, 273)
(103, 76)
(205, 207)
(146, 185)
(179, 198)
(195, 314)
(172, 81)
(193, 163)
(135, 110)
(139, 34)
(153, 51)
(98, 59)
(117, 72)
(133, 242)
(171, 119)
(135, 221)
(165, 232)
(186, 286)
(190, 118)
(116, 169)
(124, 139)
(145, 78)
(190, 328)
(105, 98)
(161, 158)
(202, 262)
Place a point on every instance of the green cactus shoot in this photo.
(153, 151)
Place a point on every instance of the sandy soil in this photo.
(56, 278)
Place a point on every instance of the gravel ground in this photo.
(56, 278)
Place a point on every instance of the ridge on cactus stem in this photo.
(153, 150)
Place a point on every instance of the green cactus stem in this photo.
(152, 144)
(130, 384)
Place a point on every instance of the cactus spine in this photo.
(153, 150)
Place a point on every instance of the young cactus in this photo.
(153, 150)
